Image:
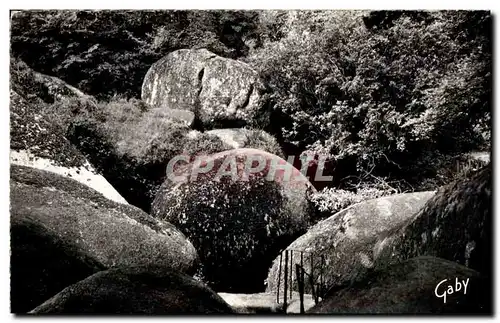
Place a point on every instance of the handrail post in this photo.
(286, 281)
(299, 272)
(322, 283)
(302, 278)
(291, 273)
(311, 279)
(279, 279)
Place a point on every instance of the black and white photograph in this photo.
(250, 162)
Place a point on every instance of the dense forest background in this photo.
(395, 99)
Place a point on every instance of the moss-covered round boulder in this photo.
(62, 231)
(136, 290)
(238, 221)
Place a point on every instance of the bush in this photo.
(331, 200)
(260, 139)
(386, 96)
(204, 144)
(131, 127)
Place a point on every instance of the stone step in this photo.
(266, 303)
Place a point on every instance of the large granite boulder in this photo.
(340, 248)
(108, 52)
(456, 224)
(221, 92)
(62, 231)
(415, 286)
(136, 290)
(38, 143)
(237, 222)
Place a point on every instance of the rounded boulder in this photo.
(456, 224)
(236, 218)
(62, 231)
(221, 92)
(415, 286)
(136, 290)
(342, 247)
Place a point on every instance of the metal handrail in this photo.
(317, 289)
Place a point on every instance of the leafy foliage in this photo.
(108, 52)
(330, 200)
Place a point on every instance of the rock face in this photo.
(341, 247)
(185, 117)
(238, 223)
(220, 91)
(136, 290)
(37, 87)
(36, 142)
(410, 287)
(62, 231)
(456, 224)
(31, 131)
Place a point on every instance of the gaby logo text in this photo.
(442, 290)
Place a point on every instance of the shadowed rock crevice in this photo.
(247, 99)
